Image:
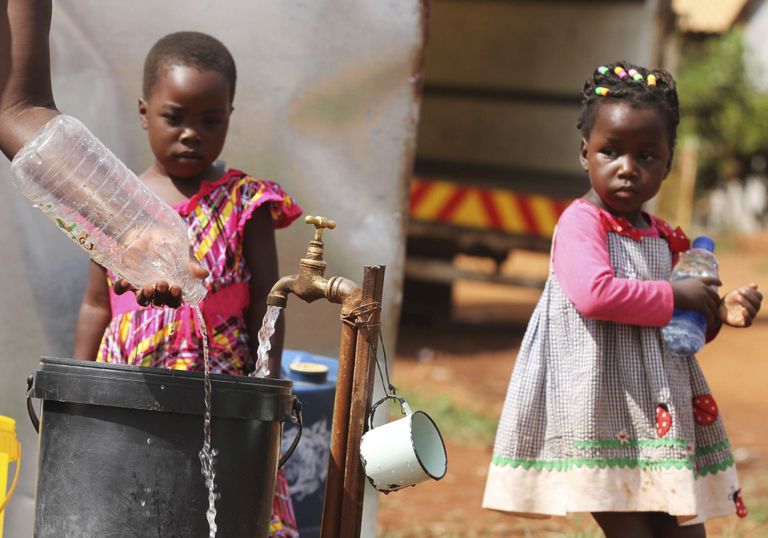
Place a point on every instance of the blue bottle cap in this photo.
(704, 242)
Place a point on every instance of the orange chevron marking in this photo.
(484, 209)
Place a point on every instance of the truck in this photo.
(497, 149)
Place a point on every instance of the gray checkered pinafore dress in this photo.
(599, 417)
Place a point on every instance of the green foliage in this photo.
(455, 422)
(720, 106)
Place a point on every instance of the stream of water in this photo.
(265, 334)
(207, 453)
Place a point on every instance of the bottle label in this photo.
(694, 317)
(79, 238)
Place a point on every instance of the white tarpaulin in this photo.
(326, 105)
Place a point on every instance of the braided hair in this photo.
(190, 49)
(632, 84)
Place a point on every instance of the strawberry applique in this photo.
(663, 420)
(735, 496)
(705, 409)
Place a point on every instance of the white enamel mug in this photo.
(403, 452)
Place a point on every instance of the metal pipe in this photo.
(310, 284)
(278, 295)
(334, 482)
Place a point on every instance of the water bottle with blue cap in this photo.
(686, 332)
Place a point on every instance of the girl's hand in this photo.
(161, 294)
(697, 294)
(740, 306)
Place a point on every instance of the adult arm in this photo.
(94, 315)
(26, 98)
(260, 251)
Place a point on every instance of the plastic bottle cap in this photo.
(704, 242)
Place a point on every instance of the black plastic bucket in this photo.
(118, 451)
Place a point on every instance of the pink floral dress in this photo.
(170, 338)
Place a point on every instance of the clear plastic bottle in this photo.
(686, 332)
(67, 173)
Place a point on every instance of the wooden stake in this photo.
(362, 391)
(334, 483)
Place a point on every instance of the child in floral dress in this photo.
(188, 90)
(599, 417)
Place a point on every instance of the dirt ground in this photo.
(458, 373)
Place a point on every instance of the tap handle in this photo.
(320, 223)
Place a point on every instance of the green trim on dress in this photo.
(627, 462)
(631, 443)
(602, 463)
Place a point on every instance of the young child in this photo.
(188, 90)
(598, 416)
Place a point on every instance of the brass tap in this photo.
(310, 283)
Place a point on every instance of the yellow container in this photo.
(10, 451)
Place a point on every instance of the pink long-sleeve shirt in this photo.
(582, 266)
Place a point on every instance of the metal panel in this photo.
(533, 46)
(540, 137)
(503, 81)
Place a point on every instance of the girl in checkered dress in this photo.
(599, 417)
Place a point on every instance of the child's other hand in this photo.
(740, 306)
(161, 294)
(697, 294)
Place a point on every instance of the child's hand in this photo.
(697, 294)
(161, 294)
(740, 306)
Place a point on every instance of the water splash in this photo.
(207, 453)
(265, 333)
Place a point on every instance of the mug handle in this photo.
(406, 409)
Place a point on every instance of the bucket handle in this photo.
(296, 419)
(30, 407)
(15, 479)
(404, 407)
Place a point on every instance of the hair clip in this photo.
(600, 90)
(651, 80)
(635, 75)
(620, 71)
(602, 70)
